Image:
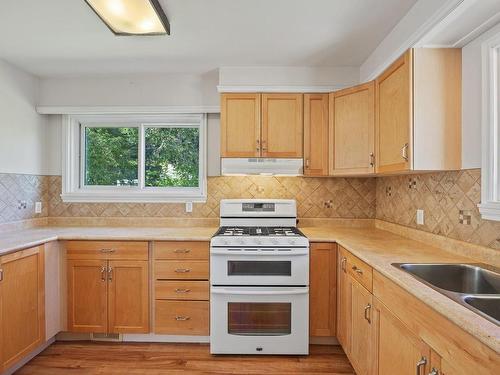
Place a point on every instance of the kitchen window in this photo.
(490, 168)
(132, 158)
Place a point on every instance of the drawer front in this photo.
(181, 269)
(113, 250)
(360, 271)
(182, 318)
(185, 290)
(181, 250)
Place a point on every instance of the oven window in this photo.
(259, 268)
(259, 319)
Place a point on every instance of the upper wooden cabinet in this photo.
(316, 134)
(282, 125)
(352, 130)
(262, 125)
(240, 125)
(418, 112)
(22, 305)
(322, 288)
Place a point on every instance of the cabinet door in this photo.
(394, 116)
(322, 289)
(87, 296)
(128, 297)
(282, 125)
(22, 304)
(399, 350)
(361, 354)
(240, 125)
(316, 134)
(352, 129)
(343, 302)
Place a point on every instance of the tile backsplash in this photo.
(449, 201)
(18, 194)
(316, 197)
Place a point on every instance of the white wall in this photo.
(23, 131)
(133, 90)
(471, 100)
(337, 77)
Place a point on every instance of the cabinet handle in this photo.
(1, 274)
(179, 290)
(343, 263)
(182, 318)
(434, 371)
(182, 251)
(110, 273)
(372, 159)
(107, 251)
(404, 152)
(264, 147)
(258, 145)
(367, 313)
(103, 273)
(420, 364)
(183, 270)
(357, 270)
(307, 163)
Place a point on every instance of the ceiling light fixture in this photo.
(132, 17)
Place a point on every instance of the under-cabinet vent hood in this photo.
(262, 166)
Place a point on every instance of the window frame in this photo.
(490, 165)
(74, 188)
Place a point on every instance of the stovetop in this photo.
(259, 231)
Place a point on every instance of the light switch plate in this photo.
(38, 207)
(420, 217)
(189, 206)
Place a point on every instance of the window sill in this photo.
(490, 211)
(130, 197)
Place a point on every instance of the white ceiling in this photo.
(65, 38)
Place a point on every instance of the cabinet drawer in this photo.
(182, 317)
(181, 250)
(181, 269)
(185, 290)
(357, 269)
(117, 250)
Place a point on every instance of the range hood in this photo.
(262, 166)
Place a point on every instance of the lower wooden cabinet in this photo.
(361, 351)
(22, 304)
(322, 289)
(108, 293)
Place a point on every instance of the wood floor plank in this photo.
(94, 358)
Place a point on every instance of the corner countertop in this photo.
(376, 247)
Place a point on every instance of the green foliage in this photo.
(171, 156)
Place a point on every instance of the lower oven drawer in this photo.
(259, 320)
(180, 289)
(182, 318)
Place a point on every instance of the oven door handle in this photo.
(254, 292)
(260, 253)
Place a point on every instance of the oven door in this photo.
(259, 267)
(259, 320)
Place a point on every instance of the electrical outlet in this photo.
(420, 217)
(38, 207)
(189, 206)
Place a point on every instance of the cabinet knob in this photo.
(343, 263)
(183, 270)
(367, 313)
(107, 251)
(182, 318)
(434, 371)
(103, 273)
(258, 144)
(1, 274)
(182, 251)
(372, 159)
(404, 152)
(181, 290)
(421, 363)
(357, 270)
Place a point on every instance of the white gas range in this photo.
(259, 276)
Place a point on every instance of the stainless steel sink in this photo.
(475, 286)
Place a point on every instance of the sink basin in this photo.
(459, 278)
(489, 305)
(474, 286)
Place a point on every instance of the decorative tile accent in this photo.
(449, 201)
(316, 197)
(18, 194)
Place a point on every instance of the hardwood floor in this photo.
(144, 358)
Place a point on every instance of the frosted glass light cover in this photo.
(131, 17)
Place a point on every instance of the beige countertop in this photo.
(376, 247)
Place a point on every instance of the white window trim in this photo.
(73, 189)
(490, 168)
